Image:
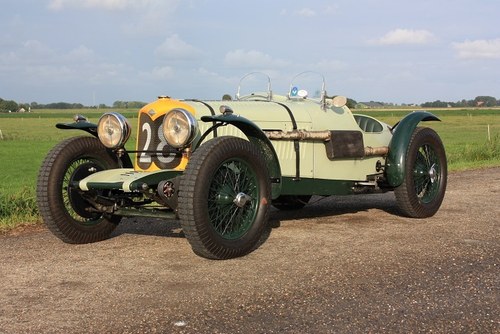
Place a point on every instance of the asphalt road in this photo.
(341, 265)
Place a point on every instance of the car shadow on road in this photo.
(337, 206)
(149, 226)
(318, 207)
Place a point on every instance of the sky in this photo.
(101, 51)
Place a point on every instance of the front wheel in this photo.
(224, 198)
(424, 184)
(63, 209)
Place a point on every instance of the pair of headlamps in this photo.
(178, 128)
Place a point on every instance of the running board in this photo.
(125, 179)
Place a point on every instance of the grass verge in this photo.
(476, 156)
(18, 208)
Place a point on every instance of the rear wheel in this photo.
(63, 209)
(424, 185)
(224, 198)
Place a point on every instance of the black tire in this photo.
(424, 184)
(291, 202)
(224, 198)
(62, 208)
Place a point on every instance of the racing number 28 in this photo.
(151, 140)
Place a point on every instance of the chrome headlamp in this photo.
(113, 130)
(179, 128)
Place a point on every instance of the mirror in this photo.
(339, 101)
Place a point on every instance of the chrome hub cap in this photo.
(241, 200)
(433, 173)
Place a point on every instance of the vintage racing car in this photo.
(218, 166)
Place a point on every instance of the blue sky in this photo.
(101, 51)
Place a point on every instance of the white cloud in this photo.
(211, 76)
(81, 53)
(144, 17)
(405, 36)
(332, 9)
(103, 4)
(35, 61)
(36, 48)
(158, 73)
(306, 12)
(478, 49)
(174, 48)
(330, 65)
(204, 72)
(252, 59)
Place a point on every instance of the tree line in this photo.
(479, 101)
(13, 106)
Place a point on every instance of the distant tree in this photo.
(136, 104)
(485, 101)
(351, 104)
(435, 104)
(7, 106)
(463, 103)
(58, 105)
(128, 104)
(119, 104)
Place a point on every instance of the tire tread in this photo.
(407, 201)
(197, 232)
(49, 203)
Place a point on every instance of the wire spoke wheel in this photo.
(426, 174)
(424, 185)
(63, 209)
(224, 198)
(232, 195)
(73, 201)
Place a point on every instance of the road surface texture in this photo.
(341, 265)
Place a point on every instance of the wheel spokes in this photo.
(231, 200)
(426, 174)
(72, 201)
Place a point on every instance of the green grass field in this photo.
(464, 134)
(26, 138)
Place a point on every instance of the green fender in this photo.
(92, 129)
(81, 125)
(395, 163)
(258, 137)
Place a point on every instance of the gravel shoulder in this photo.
(340, 265)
